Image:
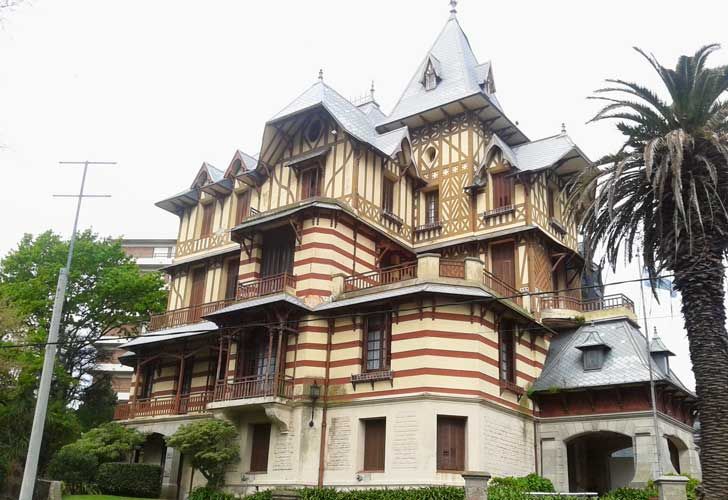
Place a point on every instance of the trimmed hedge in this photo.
(208, 493)
(134, 480)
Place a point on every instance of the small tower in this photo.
(660, 353)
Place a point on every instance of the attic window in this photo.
(313, 132)
(593, 358)
(430, 155)
(430, 77)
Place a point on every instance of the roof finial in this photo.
(654, 332)
(453, 7)
(563, 128)
(321, 74)
(371, 91)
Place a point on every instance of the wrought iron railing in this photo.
(452, 268)
(265, 286)
(501, 289)
(385, 276)
(169, 405)
(185, 315)
(255, 386)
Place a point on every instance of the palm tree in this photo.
(665, 192)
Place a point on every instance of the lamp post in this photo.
(314, 394)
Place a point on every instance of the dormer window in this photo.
(593, 350)
(313, 132)
(430, 78)
(660, 354)
(311, 182)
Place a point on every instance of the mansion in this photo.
(387, 300)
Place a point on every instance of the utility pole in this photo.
(41, 405)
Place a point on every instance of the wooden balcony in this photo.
(566, 311)
(185, 315)
(189, 247)
(500, 288)
(266, 286)
(256, 386)
(168, 405)
(385, 276)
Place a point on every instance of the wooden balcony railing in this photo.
(575, 304)
(501, 289)
(189, 247)
(168, 405)
(266, 286)
(255, 386)
(452, 268)
(185, 315)
(379, 277)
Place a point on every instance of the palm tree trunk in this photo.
(700, 280)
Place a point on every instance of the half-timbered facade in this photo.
(371, 298)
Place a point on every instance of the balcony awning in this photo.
(180, 201)
(170, 334)
(222, 187)
(296, 161)
(260, 301)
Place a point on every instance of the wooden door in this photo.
(374, 444)
(231, 286)
(197, 296)
(451, 443)
(504, 262)
(207, 213)
(259, 451)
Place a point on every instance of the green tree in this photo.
(109, 442)
(665, 190)
(210, 445)
(98, 401)
(107, 292)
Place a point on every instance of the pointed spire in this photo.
(321, 75)
(371, 91)
(563, 128)
(453, 8)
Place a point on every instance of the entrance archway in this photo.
(678, 453)
(600, 461)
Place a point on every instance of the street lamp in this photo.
(314, 394)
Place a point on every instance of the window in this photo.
(260, 445)
(451, 443)
(243, 206)
(207, 212)
(313, 132)
(311, 182)
(189, 367)
(374, 444)
(377, 343)
(503, 262)
(550, 202)
(147, 381)
(388, 195)
(430, 77)
(593, 359)
(231, 285)
(430, 155)
(278, 249)
(163, 252)
(432, 209)
(507, 351)
(197, 296)
(502, 190)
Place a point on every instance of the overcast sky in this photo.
(162, 86)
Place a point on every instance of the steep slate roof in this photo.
(373, 112)
(624, 363)
(544, 153)
(458, 72)
(249, 162)
(350, 118)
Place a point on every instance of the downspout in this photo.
(322, 448)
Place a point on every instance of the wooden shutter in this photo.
(189, 368)
(231, 285)
(310, 182)
(550, 201)
(507, 351)
(388, 195)
(148, 381)
(259, 451)
(207, 212)
(374, 444)
(504, 265)
(278, 247)
(451, 443)
(502, 190)
(243, 207)
(197, 296)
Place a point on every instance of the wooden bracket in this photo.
(247, 249)
(297, 226)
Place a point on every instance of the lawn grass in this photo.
(99, 497)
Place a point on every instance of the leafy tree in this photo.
(106, 292)
(666, 190)
(98, 401)
(210, 444)
(109, 442)
(73, 467)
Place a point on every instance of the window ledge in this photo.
(371, 377)
(428, 227)
(506, 385)
(558, 226)
(391, 217)
(499, 211)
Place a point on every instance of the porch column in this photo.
(270, 360)
(645, 459)
(180, 377)
(279, 365)
(170, 474)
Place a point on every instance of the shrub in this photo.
(432, 493)
(210, 445)
(207, 493)
(109, 442)
(134, 480)
(631, 494)
(261, 495)
(74, 467)
(531, 482)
